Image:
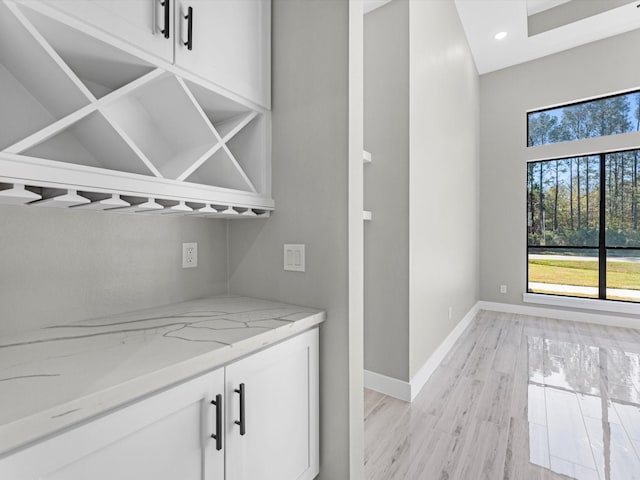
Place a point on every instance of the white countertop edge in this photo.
(40, 426)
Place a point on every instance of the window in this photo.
(594, 118)
(583, 226)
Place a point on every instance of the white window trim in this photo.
(583, 147)
(611, 306)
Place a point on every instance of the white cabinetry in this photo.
(230, 39)
(84, 115)
(140, 23)
(280, 389)
(231, 44)
(168, 436)
(165, 437)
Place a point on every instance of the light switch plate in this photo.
(294, 257)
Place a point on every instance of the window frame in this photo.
(602, 247)
(572, 104)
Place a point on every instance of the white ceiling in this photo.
(482, 19)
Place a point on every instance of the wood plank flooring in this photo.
(517, 398)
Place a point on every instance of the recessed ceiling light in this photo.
(500, 35)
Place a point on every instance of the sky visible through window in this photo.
(595, 118)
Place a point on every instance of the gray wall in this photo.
(421, 125)
(386, 190)
(310, 187)
(64, 265)
(443, 173)
(595, 69)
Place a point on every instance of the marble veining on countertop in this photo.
(59, 375)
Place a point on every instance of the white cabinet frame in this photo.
(168, 435)
(132, 125)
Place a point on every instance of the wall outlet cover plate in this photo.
(294, 257)
(189, 255)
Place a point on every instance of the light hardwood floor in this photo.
(517, 398)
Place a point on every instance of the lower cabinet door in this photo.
(164, 437)
(272, 412)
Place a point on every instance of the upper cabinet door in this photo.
(141, 23)
(230, 44)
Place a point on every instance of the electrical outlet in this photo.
(450, 313)
(503, 289)
(189, 255)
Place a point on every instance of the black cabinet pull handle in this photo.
(189, 18)
(241, 422)
(218, 435)
(167, 9)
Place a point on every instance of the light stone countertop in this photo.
(60, 375)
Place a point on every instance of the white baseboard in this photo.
(388, 385)
(420, 378)
(571, 315)
(408, 391)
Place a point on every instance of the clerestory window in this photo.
(594, 118)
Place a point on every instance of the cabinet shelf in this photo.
(162, 121)
(223, 113)
(222, 169)
(35, 91)
(97, 65)
(229, 127)
(91, 142)
(248, 148)
(84, 115)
